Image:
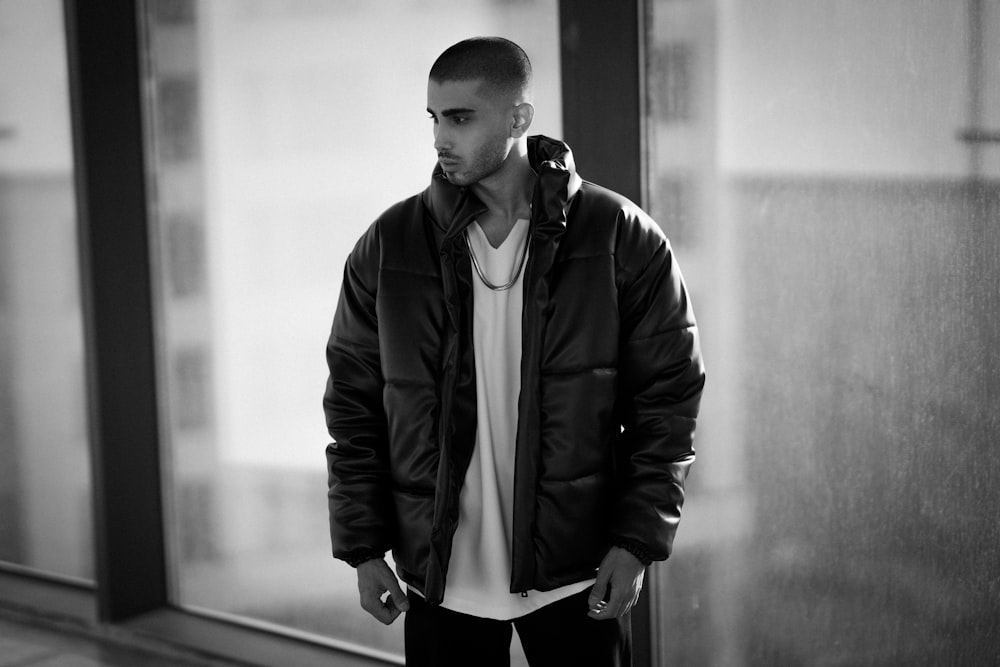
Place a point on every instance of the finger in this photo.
(598, 609)
(616, 600)
(398, 601)
(371, 603)
(391, 610)
(599, 591)
(386, 615)
(397, 598)
(599, 612)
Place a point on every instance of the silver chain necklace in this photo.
(482, 274)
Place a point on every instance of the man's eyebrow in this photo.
(454, 112)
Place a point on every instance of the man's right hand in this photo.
(375, 579)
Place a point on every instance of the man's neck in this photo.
(507, 196)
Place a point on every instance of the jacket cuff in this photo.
(358, 558)
(636, 549)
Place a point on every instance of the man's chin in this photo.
(457, 179)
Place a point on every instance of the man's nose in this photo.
(441, 139)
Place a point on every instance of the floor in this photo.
(28, 643)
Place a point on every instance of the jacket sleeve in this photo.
(661, 376)
(359, 487)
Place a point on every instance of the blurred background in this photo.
(828, 172)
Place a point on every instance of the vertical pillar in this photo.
(106, 102)
(601, 46)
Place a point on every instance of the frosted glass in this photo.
(842, 242)
(45, 494)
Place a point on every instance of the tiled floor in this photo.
(25, 643)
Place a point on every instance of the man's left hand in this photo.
(619, 580)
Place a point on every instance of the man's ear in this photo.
(523, 113)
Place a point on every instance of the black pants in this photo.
(557, 634)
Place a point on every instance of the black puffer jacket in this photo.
(611, 378)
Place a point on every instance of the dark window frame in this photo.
(601, 48)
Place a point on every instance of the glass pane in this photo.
(831, 173)
(280, 131)
(45, 502)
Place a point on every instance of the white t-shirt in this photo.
(480, 567)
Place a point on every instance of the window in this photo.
(281, 130)
(45, 502)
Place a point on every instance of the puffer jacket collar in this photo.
(454, 207)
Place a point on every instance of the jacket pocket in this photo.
(578, 428)
(571, 525)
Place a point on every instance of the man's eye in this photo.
(459, 120)
(433, 118)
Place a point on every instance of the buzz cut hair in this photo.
(500, 63)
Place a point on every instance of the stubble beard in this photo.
(486, 162)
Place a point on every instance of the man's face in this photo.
(472, 129)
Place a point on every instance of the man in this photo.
(514, 380)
